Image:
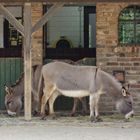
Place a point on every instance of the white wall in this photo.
(17, 12)
(66, 23)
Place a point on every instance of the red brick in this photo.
(125, 64)
(135, 85)
(112, 63)
(135, 59)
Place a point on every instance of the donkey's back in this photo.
(68, 77)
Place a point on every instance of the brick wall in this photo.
(111, 56)
(37, 46)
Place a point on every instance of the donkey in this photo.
(59, 78)
(15, 95)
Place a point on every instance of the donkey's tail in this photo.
(40, 86)
(96, 73)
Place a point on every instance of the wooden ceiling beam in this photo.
(67, 1)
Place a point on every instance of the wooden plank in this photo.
(18, 68)
(67, 1)
(11, 19)
(12, 68)
(2, 81)
(8, 71)
(27, 61)
(47, 16)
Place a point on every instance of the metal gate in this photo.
(10, 70)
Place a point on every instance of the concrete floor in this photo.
(67, 133)
(69, 128)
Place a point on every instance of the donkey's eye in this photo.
(130, 103)
(9, 102)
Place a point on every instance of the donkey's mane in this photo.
(34, 67)
(113, 81)
(19, 80)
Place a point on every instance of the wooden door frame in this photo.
(87, 11)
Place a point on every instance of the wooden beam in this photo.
(66, 1)
(27, 60)
(47, 16)
(19, 27)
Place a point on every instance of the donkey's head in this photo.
(13, 102)
(125, 103)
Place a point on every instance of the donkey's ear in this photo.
(6, 89)
(124, 93)
(126, 86)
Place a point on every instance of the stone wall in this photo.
(111, 56)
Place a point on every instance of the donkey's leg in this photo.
(43, 105)
(97, 98)
(75, 104)
(84, 105)
(51, 102)
(92, 104)
(48, 91)
(35, 105)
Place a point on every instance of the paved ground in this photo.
(69, 128)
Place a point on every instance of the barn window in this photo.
(71, 33)
(10, 39)
(129, 26)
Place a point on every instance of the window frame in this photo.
(68, 53)
(134, 23)
(10, 51)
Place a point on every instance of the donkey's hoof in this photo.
(53, 117)
(72, 114)
(35, 113)
(83, 113)
(43, 117)
(98, 119)
(92, 118)
(12, 116)
(126, 120)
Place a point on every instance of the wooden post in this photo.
(27, 60)
(27, 31)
